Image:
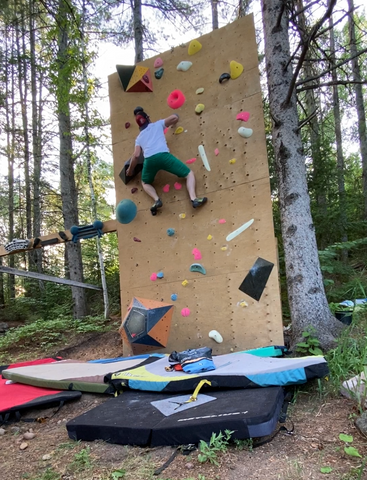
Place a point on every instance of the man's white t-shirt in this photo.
(152, 139)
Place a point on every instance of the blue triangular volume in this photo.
(155, 314)
(147, 340)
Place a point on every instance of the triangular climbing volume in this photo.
(141, 81)
(125, 72)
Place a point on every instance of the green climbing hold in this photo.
(197, 267)
(199, 91)
(159, 73)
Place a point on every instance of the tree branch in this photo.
(329, 84)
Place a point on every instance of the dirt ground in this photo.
(50, 455)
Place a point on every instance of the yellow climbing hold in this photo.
(236, 69)
(199, 91)
(194, 47)
(232, 161)
(243, 304)
(199, 107)
(184, 283)
(182, 215)
(209, 237)
(178, 130)
(224, 248)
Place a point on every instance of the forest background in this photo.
(56, 159)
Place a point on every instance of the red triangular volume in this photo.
(141, 81)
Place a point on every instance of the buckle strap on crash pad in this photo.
(194, 396)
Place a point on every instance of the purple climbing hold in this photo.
(146, 78)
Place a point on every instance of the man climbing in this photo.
(157, 157)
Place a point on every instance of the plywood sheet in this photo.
(237, 193)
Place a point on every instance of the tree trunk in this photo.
(138, 30)
(215, 22)
(69, 194)
(361, 114)
(243, 7)
(339, 145)
(306, 294)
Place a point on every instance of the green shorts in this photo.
(163, 161)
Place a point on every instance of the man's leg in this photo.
(190, 185)
(151, 191)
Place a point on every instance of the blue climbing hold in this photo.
(170, 232)
(174, 297)
(98, 225)
(126, 211)
(160, 275)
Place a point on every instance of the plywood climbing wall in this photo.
(237, 193)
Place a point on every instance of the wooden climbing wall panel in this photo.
(237, 193)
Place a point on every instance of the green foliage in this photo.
(81, 461)
(118, 474)
(310, 344)
(326, 470)
(218, 444)
(245, 444)
(49, 474)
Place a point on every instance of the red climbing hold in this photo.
(136, 240)
(127, 124)
(133, 190)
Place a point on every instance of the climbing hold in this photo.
(176, 99)
(244, 116)
(197, 254)
(126, 211)
(135, 189)
(236, 69)
(98, 225)
(174, 297)
(199, 108)
(242, 303)
(191, 160)
(199, 91)
(185, 312)
(184, 283)
(209, 237)
(224, 77)
(184, 66)
(165, 130)
(160, 275)
(145, 78)
(215, 335)
(245, 132)
(127, 124)
(197, 267)
(203, 156)
(136, 239)
(182, 215)
(224, 248)
(178, 130)
(177, 186)
(222, 220)
(194, 47)
(170, 232)
(153, 277)
(232, 161)
(239, 230)
(216, 151)
(158, 62)
(159, 73)
(166, 188)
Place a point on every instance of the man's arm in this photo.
(133, 161)
(171, 120)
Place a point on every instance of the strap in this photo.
(167, 463)
(194, 396)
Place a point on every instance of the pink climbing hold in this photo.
(153, 277)
(177, 186)
(165, 130)
(191, 160)
(216, 151)
(243, 116)
(158, 62)
(185, 312)
(222, 220)
(166, 188)
(176, 99)
(197, 254)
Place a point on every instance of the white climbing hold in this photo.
(239, 230)
(245, 132)
(184, 66)
(204, 158)
(215, 335)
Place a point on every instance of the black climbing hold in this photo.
(255, 281)
(224, 77)
(63, 236)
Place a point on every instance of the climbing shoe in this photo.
(154, 208)
(198, 202)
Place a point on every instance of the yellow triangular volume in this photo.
(236, 69)
(136, 76)
(194, 47)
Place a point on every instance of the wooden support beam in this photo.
(47, 278)
(108, 227)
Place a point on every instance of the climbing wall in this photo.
(237, 187)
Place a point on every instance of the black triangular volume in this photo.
(255, 281)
